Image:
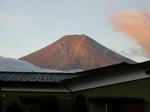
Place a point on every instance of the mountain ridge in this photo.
(74, 52)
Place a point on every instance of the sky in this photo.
(120, 25)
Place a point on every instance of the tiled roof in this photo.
(35, 77)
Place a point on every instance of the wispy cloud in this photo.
(9, 19)
(135, 24)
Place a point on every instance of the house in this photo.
(117, 88)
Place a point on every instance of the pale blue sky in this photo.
(28, 25)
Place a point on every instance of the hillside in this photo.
(74, 52)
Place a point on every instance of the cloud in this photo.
(8, 19)
(135, 24)
(136, 54)
(11, 64)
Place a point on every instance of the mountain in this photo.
(10, 64)
(74, 52)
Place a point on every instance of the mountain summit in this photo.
(74, 52)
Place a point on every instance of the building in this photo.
(118, 88)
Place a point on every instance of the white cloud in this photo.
(135, 24)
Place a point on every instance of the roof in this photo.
(79, 81)
(33, 77)
(109, 75)
(115, 68)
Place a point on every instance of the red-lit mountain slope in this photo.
(74, 52)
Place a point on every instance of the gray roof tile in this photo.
(35, 76)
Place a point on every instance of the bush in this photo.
(1, 106)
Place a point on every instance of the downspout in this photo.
(106, 106)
